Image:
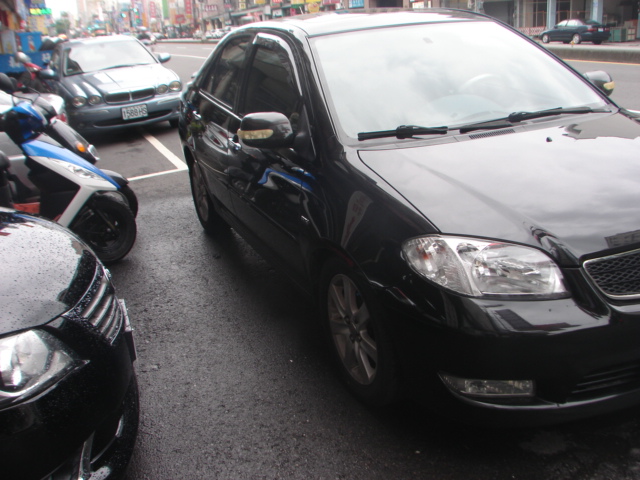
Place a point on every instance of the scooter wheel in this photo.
(108, 226)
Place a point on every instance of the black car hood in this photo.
(573, 189)
(45, 270)
(117, 80)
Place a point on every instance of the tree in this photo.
(63, 24)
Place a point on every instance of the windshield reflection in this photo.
(444, 74)
(94, 56)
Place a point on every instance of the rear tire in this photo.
(361, 348)
(207, 215)
(108, 226)
(597, 42)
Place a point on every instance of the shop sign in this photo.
(356, 3)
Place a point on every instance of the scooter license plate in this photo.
(137, 111)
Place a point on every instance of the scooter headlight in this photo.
(77, 170)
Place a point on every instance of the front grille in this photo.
(608, 381)
(617, 276)
(100, 307)
(124, 97)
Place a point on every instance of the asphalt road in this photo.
(235, 382)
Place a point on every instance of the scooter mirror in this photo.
(6, 84)
(22, 57)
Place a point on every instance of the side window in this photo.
(271, 85)
(55, 60)
(223, 80)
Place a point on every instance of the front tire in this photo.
(545, 38)
(576, 39)
(207, 215)
(132, 200)
(361, 348)
(108, 226)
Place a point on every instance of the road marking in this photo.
(190, 56)
(168, 154)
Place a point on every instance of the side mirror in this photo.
(6, 84)
(602, 80)
(23, 57)
(266, 130)
(47, 74)
(163, 57)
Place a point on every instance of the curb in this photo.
(598, 53)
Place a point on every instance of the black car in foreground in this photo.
(464, 206)
(68, 391)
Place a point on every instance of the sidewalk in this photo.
(624, 52)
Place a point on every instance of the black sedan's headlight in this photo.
(478, 268)
(30, 362)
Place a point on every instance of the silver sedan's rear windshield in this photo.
(442, 74)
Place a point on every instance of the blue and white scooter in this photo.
(70, 190)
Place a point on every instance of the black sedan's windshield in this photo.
(94, 56)
(445, 74)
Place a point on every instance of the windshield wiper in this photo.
(124, 65)
(490, 125)
(404, 131)
(521, 116)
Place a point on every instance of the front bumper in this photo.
(108, 117)
(582, 352)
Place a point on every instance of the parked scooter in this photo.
(53, 108)
(29, 79)
(70, 190)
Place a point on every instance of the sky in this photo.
(59, 6)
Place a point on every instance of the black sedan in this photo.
(111, 83)
(68, 392)
(469, 223)
(577, 31)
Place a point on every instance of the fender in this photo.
(116, 177)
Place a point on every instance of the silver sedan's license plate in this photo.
(137, 111)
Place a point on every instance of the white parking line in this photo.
(168, 154)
